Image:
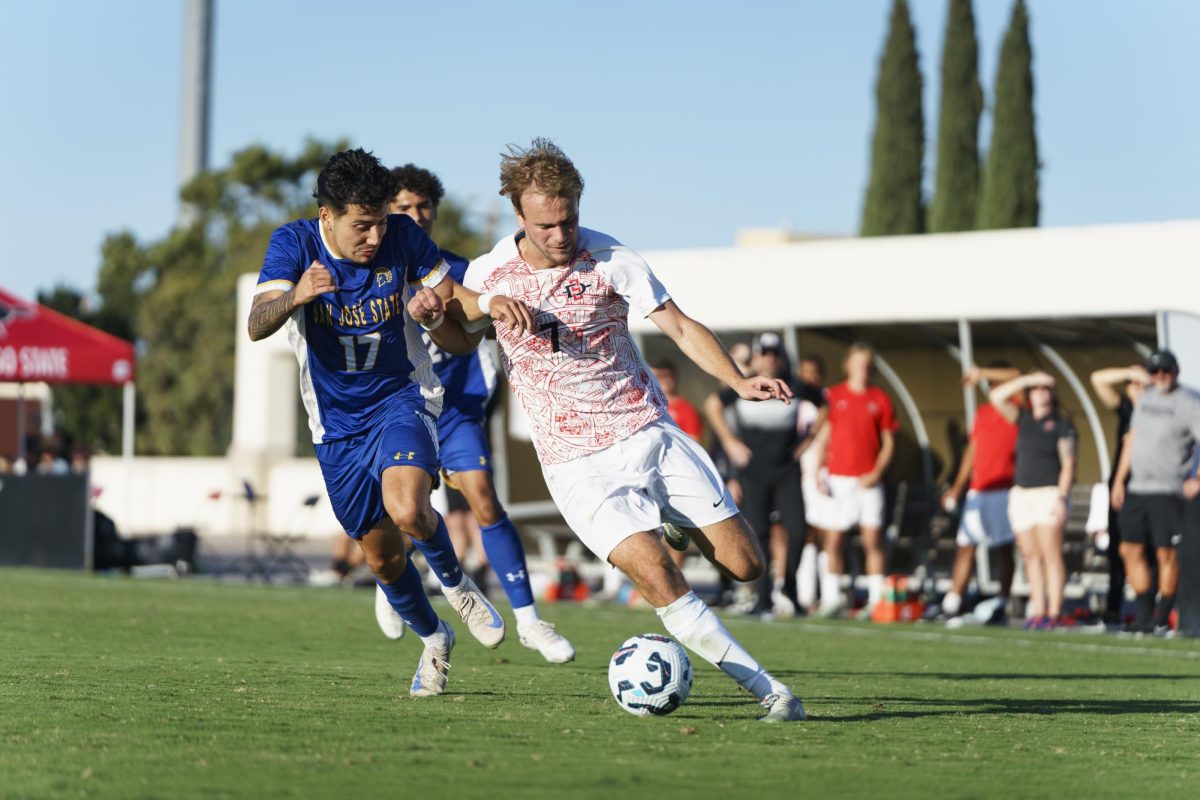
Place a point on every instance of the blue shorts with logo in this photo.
(463, 443)
(353, 467)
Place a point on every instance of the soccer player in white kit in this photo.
(616, 464)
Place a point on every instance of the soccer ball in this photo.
(650, 674)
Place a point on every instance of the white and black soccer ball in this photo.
(650, 674)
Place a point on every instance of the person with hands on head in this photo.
(1038, 502)
(1157, 462)
(1119, 389)
(616, 464)
(338, 282)
(987, 467)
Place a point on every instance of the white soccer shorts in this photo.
(851, 504)
(985, 520)
(659, 474)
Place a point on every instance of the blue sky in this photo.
(689, 120)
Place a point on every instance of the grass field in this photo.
(111, 687)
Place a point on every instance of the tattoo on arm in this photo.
(268, 316)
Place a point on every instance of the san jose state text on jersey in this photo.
(361, 356)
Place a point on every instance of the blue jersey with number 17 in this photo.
(361, 355)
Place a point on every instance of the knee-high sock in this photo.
(506, 554)
(407, 596)
(439, 552)
(694, 624)
(806, 577)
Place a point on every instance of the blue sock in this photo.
(439, 552)
(407, 596)
(506, 554)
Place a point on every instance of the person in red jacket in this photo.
(856, 444)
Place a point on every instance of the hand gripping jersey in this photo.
(468, 380)
(361, 355)
(578, 374)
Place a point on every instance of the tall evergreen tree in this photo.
(956, 190)
(1010, 181)
(894, 201)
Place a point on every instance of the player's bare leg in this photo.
(406, 498)
(505, 552)
(731, 547)
(874, 558)
(1035, 576)
(1049, 542)
(645, 561)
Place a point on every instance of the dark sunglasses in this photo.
(1160, 371)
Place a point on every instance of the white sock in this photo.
(778, 585)
(526, 616)
(438, 637)
(694, 624)
(806, 576)
(951, 603)
(874, 589)
(831, 590)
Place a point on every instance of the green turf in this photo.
(111, 687)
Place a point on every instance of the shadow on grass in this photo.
(925, 707)
(986, 676)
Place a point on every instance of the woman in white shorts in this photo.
(1037, 504)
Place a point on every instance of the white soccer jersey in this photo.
(578, 375)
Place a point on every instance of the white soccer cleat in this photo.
(676, 537)
(434, 667)
(481, 617)
(389, 621)
(782, 607)
(782, 707)
(542, 637)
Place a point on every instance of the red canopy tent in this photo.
(40, 344)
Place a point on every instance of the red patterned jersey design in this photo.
(578, 374)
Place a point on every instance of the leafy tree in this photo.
(894, 202)
(1010, 181)
(956, 191)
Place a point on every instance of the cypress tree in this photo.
(894, 203)
(1010, 181)
(956, 190)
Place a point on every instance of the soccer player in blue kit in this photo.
(468, 381)
(339, 284)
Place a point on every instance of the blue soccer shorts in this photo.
(353, 467)
(463, 443)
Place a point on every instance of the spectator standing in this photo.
(856, 446)
(988, 465)
(764, 446)
(811, 416)
(1119, 389)
(1157, 460)
(1037, 506)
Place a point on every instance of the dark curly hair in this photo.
(354, 178)
(418, 181)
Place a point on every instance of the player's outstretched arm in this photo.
(700, 345)
(271, 309)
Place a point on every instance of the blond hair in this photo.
(541, 166)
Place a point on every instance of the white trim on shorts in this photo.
(985, 519)
(659, 474)
(852, 505)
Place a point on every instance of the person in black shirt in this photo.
(1037, 506)
(1119, 389)
(764, 450)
